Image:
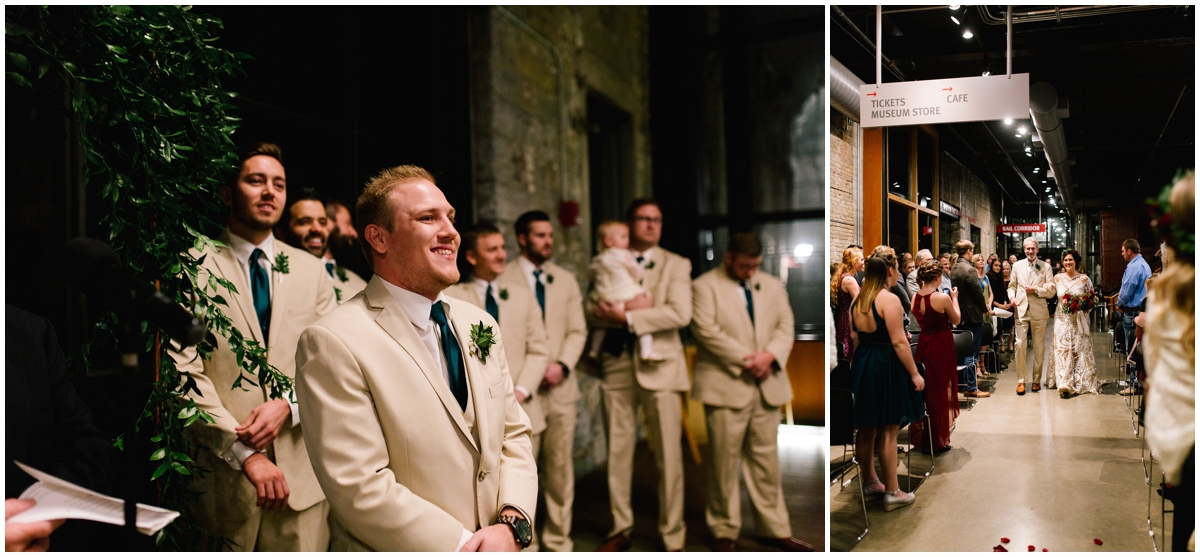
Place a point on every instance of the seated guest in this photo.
(886, 383)
(743, 325)
(936, 312)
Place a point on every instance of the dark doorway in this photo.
(610, 159)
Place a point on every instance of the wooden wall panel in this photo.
(872, 189)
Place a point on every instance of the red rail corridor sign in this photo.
(1019, 228)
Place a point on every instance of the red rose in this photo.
(1032, 548)
(1004, 540)
(1097, 541)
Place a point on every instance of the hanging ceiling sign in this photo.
(938, 101)
(1019, 228)
(949, 209)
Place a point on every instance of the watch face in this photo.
(524, 531)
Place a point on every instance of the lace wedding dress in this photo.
(1074, 363)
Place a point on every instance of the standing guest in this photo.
(900, 292)
(886, 382)
(858, 274)
(909, 266)
(489, 288)
(974, 305)
(630, 381)
(910, 280)
(414, 430)
(1170, 337)
(743, 325)
(997, 279)
(936, 312)
(1132, 297)
(992, 258)
(557, 293)
(305, 225)
(843, 289)
(947, 261)
(343, 241)
(986, 286)
(1074, 363)
(262, 493)
(1029, 287)
(1012, 260)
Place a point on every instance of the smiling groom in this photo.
(413, 430)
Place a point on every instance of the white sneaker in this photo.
(893, 500)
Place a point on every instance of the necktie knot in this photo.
(537, 274)
(438, 314)
(640, 259)
(329, 268)
(256, 255)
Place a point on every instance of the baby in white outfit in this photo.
(616, 279)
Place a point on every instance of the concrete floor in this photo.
(1037, 469)
(802, 459)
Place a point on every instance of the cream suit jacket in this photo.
(1023, 274)
(565, 326)
(668, 281)
(300, 297)
(524, 339)
(724, 334)
(388, 441)
(348, 288)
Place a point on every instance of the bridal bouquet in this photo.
(1074, 303)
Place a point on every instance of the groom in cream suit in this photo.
(656, 386)
(561, 302)
(491, 289)
(744, 331)
(411, 422)
(261, 494)
(1030, 285)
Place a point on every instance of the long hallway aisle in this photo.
(1036, 469)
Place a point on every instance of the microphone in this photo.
(93, 267)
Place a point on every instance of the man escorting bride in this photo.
(1074, 365)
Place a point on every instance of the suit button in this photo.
(482, 475)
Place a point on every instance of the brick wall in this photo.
(979, 205)
(844, 184)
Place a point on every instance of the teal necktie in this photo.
(260, 286)
(540, 290)
(454, 363)
(749, 302)
(329, 269)
(491, 306)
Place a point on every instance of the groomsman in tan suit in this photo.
(558, 295)
(1030, 285)
(630, 381)
(411, 422)
(743, 325)
(342, 238)
(261, 494)
(511, 304)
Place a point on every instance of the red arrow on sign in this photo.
(948, 89)
(872, 94)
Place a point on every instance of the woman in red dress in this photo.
(935, 312)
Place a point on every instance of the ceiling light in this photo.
(1021, 129)
(986, 73)
(1008, 121)
(954, 6)
(955, 20)
(803, 250)
(1035, 171)
(1028, 148)
(968, 34)
(1019, 135)
(1029, 154)
(1047, 189)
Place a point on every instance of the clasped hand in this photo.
(758, 365)
(264, 423)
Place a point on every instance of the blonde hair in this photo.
(1174, 291)
(849, 256)
(882, 259)
(607, 226)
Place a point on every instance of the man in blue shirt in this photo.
(1132, 299)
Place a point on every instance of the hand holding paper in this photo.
(59, 499)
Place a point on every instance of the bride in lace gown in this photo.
(1074, 370)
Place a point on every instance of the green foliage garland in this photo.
(144, 82)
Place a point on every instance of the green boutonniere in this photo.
(757, 286)
(340, 271)
(482, 339)
(1037, 266)
(503, 293)
(281, 263)
(650, 265)
(549, 279)
(338, 292)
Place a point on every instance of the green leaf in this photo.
(180, 468)
(43, 68)
(159, 454)
(181, 457)
(162, 469)
(19, 60)
(14, 30)
(120, 10)
(117, 49)
(157, 438)
(20, 79)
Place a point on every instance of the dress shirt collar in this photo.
(242, 248)
(645, 255)
(527, 265)
(481, 287)
(414, 305)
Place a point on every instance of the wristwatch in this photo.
(521, 530)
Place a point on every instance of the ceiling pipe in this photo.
(1047, 118)
(862, 38)
(844, 90)
(1059, 13)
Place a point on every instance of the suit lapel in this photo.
(397, 325)
(756, 323)
(654, 273)
(475, 379)
(243, 301)
(281, 299)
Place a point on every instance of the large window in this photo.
(912, 188)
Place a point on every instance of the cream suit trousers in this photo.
(748, 436)
(622, 395)
(279, 530)
(1038, 327)
(558, 474)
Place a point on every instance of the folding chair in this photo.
(841, 432)
(928, 435)
(964, 344)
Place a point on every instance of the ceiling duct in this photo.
(1059, 13)
(1047, 118)
(844, 90)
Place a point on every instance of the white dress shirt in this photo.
(242, 250)
(528, 267)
